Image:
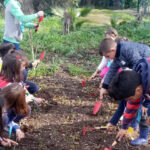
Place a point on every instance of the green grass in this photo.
(50, 38)
(75, 70)
(43, 70)
(119, 15)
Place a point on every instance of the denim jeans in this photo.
(33, 88)
(17, 45)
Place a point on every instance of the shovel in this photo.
(40, 20)
(97, 107)
(93, 128)
(42, 55)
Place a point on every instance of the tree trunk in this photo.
(27, 7)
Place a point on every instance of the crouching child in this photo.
(133, 87)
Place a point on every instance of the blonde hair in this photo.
(111, 31)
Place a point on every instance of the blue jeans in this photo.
(17, 45)
(33, 88)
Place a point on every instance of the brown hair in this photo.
(6, 48)
(112, 31)
(1, 113)
(106, 45)
(23, 57)
(11, 68)
(15, 98)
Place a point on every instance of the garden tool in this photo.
(93, 128)
(40, 20)
(42, 55)
(97, 107)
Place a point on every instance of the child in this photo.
(10, 48)
(13, 73)
(15, 108)
(32, 87)
(105, 63)
(124, 54)
(15, 21)
(4, 49)
(134, 88)
(4, 141)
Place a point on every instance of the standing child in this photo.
(15, 21)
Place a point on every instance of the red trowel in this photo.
(42, 55)
(93, 128)
(97, 107)
(40, 20)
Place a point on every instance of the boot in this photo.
(143, 138)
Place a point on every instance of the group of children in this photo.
(16, 92)
(131, 85)
(125, 69)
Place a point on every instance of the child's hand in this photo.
(8, 142)
(110, 126)
(101, 83)
(36, 26)
(41, 13)
(144, 111)
(102, 93)
(148, 120)
(35, 63)
(39, 100)
(94, 74)
(121, 134)
(20, 135)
